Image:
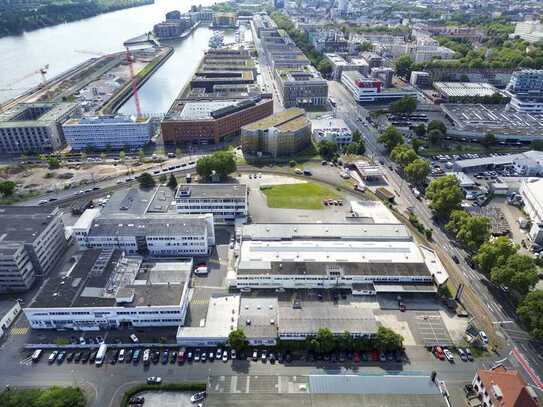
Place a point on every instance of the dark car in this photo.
(129, 356)
(165, 357)
(77, 357)
(114, 357)
(60, 357)
(455, 259)
(136, 400)
(92, 358)
(85, 358)
(136, 356)
(70, 357)
(156, 356)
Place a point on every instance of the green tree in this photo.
(518, 273)
(356, 148)
(420, 130)
(178, 151)
(325, 341)
(7, 188)
(141, 155)
(488, 140)
(365, 46)
(53, 162)
(357, 137)
(221, 162)
(325, 67)
(391, 138)
(327, 149)
(237, 339)
(146, 180)
(83, 156)
(494, 253)
(403, 154)
(122, 155)
(537, 145)
(403, 66)
(437, 125)
(417, 171)
(387, 340)
(407, 104)
(50, 397)
(445, 195)
(416, 144)
(162, 178)
(435, 136)
(530, 312)
(471, 230)
(345, 341)
(172, 182)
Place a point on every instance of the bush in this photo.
(292, 163)
(163, 387)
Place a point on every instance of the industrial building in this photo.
(34, 127)
(474, 121)
(531, 191)
(332, 129)
(145, 223)
(106, 289)
(301, 87)
(452, 92)
(340, 64)
(366, 258)
(282, 134)
(106, 133)
(370, 90)
(226, 202)
(32, 241)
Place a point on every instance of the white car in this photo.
(134, 338)
(233, 355)
(483, 337)
(198, 397)
(225, 356)
(448, 355)
(201, 270)
(154, 380)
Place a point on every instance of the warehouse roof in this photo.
(465, 89)
(148, 226)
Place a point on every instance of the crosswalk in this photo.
(200, 302)
(19, 331)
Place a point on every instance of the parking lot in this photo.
(166, 398)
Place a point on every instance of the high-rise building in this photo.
(527, 80)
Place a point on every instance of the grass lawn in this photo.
(298, 196)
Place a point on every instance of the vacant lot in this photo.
(298, 196)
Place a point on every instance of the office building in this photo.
(107, 289)
(531, 31)
(226, 202)
(282, 134)
(531, 191)
(34, 127)
(420, 79)
(333, 129)
(385, 75)
(527, 80)
(32, 241)
(370, 90)
(224, 20)
(500, 386)
(368, 259)
(301, 87)
(328, 40)
(340, 64)
(105, 133)
(373, 59)
(145, 222)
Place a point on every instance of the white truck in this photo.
(101, 354)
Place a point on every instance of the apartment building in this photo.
(108, 132)
(108, 290)
(34, 127)
(31, 242)
(226, 202)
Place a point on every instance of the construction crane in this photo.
(133, 83)
(10, 86)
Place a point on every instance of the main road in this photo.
(480, 295)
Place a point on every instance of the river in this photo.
(66, 45)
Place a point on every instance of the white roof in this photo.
(464, 179)
(532, 190)
(86, 219)
(376, 210)
(436, 268)
(529, 157)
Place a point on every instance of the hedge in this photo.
(162, 387)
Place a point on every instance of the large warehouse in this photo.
(531, 191)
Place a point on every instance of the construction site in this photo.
(99, 85)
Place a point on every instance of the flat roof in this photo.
(202, 110)
(210, 191)
(277, 119)
(374, 210)
(147, 226)
(54, 111)
(532, 156)
(332, 123)
(466, 89)
(132, 201)
(256, 315)
(325, 231)
(106, 278)
(22, 224)
(310, 318)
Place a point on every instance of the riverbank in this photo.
(16, 21)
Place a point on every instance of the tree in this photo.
(416, 143)
(172, 182)
(327, 149)
(356, 148)
(221, 162)
(420, 130)
(237, 339)
(437, 125)
(357, 137)
(387, 340)
(445, 195)
(122, 155)
(530, 312)
(325, 341)
(146, 180)
(471, 230)
(345, 341)
(391, 137)
(162, 178)
(494, 253)
(403, 66)
(366, 46)
(141, 155)
(537, 145)
(178, 151)
(403, 154)
(83, 156)
(488, 140)
(435, 136)
(417, 171)
(518, 273)
(49, 397)
(53, 162)
(7, 188)
(407, 104)
(324, 67)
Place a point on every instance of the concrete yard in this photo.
(167, 398)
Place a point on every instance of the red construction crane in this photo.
(133, 83)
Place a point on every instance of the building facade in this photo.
(226, 202)
(101, 132)
(302, 87)
(370, 90)
(334, 130)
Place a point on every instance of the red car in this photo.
(181, 357)
(356, 357)
(438, 352)
(374, 356)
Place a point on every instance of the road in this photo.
(492, 309)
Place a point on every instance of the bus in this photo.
(101, 355)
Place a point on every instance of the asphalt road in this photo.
(492, 308)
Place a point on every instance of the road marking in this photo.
(527, 368)
(199, 302)
(19, 331)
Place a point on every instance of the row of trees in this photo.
(147, 181)
(325, 341)
(51, 397)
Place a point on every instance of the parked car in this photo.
(198, 397)
(438, 352)
(356, 357)
(484, 337)
(225, 356)
(165, 356)
(134, 338)
(60, 357)
(462, 354)
(469, 354)
(154, 380)
(448, 355)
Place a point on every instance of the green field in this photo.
(298, 196)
